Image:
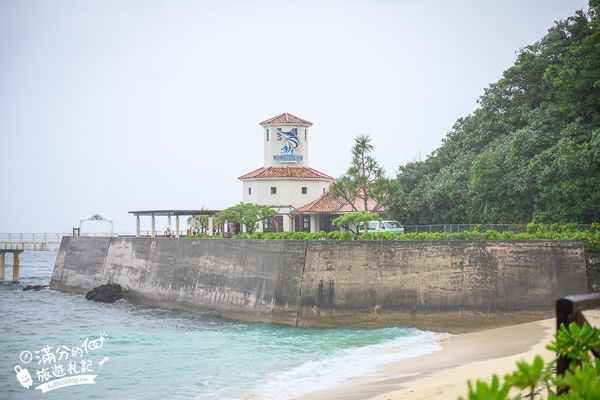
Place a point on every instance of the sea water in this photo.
(137, 352)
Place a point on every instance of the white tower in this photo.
(285, 141)
(285, 182)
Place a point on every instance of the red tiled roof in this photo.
(330, 205)
(286, 118)
(285, 172)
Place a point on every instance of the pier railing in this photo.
(32, 237)
(43, 237)
(36, 241)
(51, 241)
(570, 309)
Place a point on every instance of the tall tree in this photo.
(364, 180)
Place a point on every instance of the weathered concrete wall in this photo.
(455, 285)
(239, 279)
(592, 261)
(451, 285)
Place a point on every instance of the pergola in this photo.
(169, 214)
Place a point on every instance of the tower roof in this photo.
(286, 118)
(286, 172)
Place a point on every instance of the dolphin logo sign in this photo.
(291, 140)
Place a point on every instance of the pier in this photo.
(31, 241)
(16, 266)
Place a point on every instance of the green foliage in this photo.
(529, 152)
(589, 237)
(364, 180)
(316, 236)
(353, 220)
(484, 391)
(569, 180)
(199, 221)
(582, 379)
(486, 171)
(246, 214)
(204, 236)
(528, 376)
(583, 382)
(575, 343)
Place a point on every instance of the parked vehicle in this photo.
(384, 226)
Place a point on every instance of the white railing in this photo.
(43, 237)
(32, 246)
(32, 237)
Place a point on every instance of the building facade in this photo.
(285, 182)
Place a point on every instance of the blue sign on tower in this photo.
(288, 150)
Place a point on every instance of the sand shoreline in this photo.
(443, 374)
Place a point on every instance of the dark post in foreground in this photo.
(570, 309)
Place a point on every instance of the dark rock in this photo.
(108, 293)
(34, 287)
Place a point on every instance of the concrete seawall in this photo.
(456, 285)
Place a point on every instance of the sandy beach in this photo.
(443, 374)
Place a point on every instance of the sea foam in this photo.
(335, 370)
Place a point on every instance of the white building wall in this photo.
(289, 191)
(250, 194)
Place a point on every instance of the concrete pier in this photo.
(16, 264)
(447, 285)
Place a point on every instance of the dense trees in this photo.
(530, 151)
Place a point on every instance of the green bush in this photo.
(204, 236)
(589, 237)
(581, 380)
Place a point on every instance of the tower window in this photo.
(249, 190)
(304, 190)
(267, 135)
(273, 189)
(305, 135)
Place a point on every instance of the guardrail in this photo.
(31, 246)
(32, 237)
(570, 309)
(57, 237)
(43, 237)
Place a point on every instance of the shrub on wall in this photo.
(589, 237)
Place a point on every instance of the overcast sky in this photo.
(111, 106)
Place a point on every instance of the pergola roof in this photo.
(167, 213)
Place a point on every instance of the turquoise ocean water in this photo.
(151, 353)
